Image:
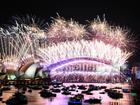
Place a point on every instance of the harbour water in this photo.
(34, 98)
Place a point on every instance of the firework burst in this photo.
(21, 43)
(113, 35)
(63, 30)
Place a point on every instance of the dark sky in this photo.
(125, 14)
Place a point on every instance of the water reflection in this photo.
(35, 99)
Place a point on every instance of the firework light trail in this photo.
(18, 44)
(21, 43)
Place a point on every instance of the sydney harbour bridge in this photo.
(67, 50)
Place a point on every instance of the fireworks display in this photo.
(56, 45)
(18, 44)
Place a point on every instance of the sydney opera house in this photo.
(65, 50)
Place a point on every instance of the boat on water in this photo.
(6, 88)
(87, 92)
(75, 101)
(114, 94)
(66, 92)
(17, 99)
(46, 94)
(82, 87)
(93, 101)
(79, 96)
(126, 90)
(56, 90)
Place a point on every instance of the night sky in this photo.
(124, 14)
